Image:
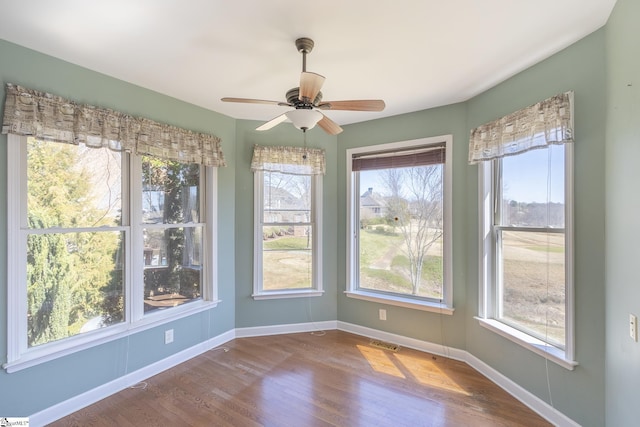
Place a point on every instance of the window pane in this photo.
(173, 266)
(72, 185)
(287, 198)
(170, 191)
(533, 188)
(287, 257)
(74, 284)
(401, 228)
(533, 283)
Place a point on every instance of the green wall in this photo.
(34, 389)
(623, 206)
(580, 393)
(250, 312)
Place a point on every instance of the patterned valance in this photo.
(53, 118)
(289, 160)
(545, 123)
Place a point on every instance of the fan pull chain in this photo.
(304, 156)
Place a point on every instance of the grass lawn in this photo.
(375, 244)
(384, 265)
(287, 263)
(289, 242)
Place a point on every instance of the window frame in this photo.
(445, 306)
(489, 286)
(316, 288)
(19, 355)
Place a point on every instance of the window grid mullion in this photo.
(134, 288)
(498, 292)
(258, 196)
(17, 221)
(551, 230)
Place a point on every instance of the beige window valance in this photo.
(53, 118)
(289, 160)
(545, 123)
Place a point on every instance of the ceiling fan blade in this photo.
(310, 85)
(255, 101)
(353, 105)
(329, 126)
(273, 122)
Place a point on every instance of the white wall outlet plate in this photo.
(168, 336)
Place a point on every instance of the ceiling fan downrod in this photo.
(304, 46)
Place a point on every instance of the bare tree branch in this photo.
(414, 207)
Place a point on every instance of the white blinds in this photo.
(420, 156)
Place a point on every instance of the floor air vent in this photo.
(384, 345)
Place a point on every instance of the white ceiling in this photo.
(414, 54)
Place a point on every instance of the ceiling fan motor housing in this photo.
(293, 99)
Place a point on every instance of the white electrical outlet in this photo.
(168, 336)
(633, 327)
(383, 314)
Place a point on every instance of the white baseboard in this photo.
(76, 403)
(439, 349)
(260, 331)
(536, 404)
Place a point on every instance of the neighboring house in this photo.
(372, 205)
(281, 206)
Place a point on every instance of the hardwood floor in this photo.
(302, 380)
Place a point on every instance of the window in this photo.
(288, 232)
(102, 242)
(172, 233)
(528, 263)
(399, 236)
(526, 226)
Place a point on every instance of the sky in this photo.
(526, 176)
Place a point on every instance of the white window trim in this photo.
(486, 263)
(316, 288)
(352, 291)
(19, 356)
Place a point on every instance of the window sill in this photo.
(539, 347)
(38, 355)
(288, 294)
(399, 301)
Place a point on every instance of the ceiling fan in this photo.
(307, 100)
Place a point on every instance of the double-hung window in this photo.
(399, 224)
(101, 242)
(288, 221)
(526, 228)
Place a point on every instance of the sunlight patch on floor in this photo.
(380, 361)
(409, 367)
(428, 373)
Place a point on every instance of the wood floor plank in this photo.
(335, 379)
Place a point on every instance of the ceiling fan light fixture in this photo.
(303, 118)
